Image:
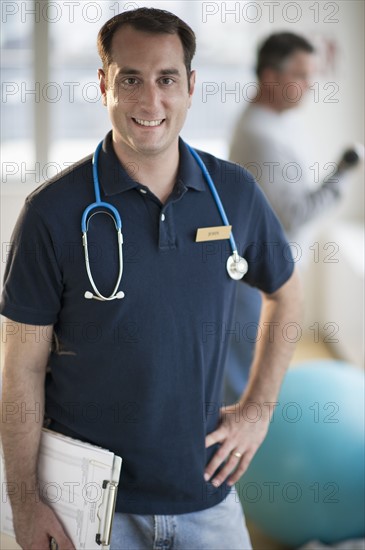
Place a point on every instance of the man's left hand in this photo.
(239, 438)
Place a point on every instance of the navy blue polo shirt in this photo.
(142, 376)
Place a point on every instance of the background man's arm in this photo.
(274, 350)
(26, 356)
(285, 182)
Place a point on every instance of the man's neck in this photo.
(157, 172)
(266, 99)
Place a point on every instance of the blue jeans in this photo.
(221, 527)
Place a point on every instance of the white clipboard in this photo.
(79, 482)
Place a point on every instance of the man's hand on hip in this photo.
(239, 438)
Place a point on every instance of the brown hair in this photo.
(278, 48)
(149, 20)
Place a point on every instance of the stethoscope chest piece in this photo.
(237, 266)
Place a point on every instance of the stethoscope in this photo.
(236, 265)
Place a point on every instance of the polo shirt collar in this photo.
(189, 174)
(114, 179)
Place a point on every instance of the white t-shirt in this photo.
(276, 150)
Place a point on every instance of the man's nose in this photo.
(149, 96)
(306, 84)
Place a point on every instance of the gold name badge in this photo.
(213, 233)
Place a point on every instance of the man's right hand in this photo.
(34, 529)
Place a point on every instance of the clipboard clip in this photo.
(103, 539)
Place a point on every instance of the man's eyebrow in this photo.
(130, 71)
(170, 71)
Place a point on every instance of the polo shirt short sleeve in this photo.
(142, 376)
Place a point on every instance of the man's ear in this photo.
(192, 85)
(102, 85)
(269, 75)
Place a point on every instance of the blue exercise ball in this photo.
(306, 481)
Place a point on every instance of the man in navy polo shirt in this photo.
(150, 364)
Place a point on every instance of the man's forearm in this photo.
(34, 521)
(22, 413)
(23, 404)
(238, 438)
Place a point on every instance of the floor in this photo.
(307, 349)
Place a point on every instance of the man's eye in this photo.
(130, 81)
(167, 81)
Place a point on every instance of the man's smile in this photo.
(142, 122)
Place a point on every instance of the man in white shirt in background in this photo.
(268, 142)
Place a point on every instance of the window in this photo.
(51, 109)
(18, 95)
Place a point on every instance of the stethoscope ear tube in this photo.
(98, 296)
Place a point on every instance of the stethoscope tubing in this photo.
(236, 266)
(84, 227)
(214, 192)
(98, 202)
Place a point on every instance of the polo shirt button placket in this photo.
(164, 231)
(167, 238)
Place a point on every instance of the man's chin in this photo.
(150, 149)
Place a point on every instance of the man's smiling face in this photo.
(146, 91)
